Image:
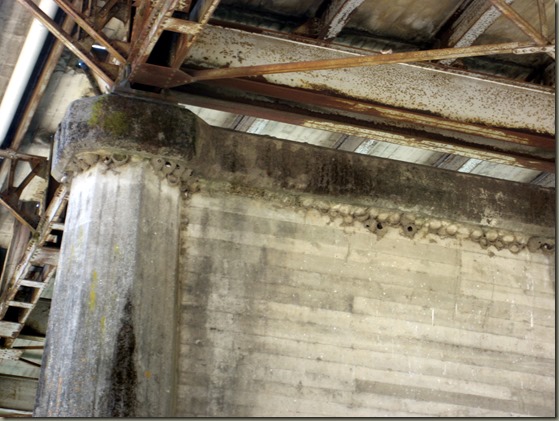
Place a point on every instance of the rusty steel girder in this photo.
(368, 60)
(448, 93)
(106, 71)
(476, 115)
(522, 24)
(10, 196)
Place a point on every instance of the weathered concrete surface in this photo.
(290, 312)
(299, 296)
(119, 125)
(111, 343)
(102, 123)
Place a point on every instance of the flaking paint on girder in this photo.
(463, 97)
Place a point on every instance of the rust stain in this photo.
(322, 95)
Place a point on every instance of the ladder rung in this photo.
(9, 329)
(32, 284)
(20, 304)
(10, 354)
(57, 226)
(45, 256)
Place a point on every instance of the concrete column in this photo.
(111, 345)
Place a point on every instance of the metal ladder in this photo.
(32, 275)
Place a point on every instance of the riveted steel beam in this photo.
(469, 25)
(335, 17)
(543, 18)
(330, 22)
(395, 117)
(103, 70)
(521, 23)
(94, 33)
(148, 26)
(368, 60)
(201, 14)
(452, 94)
(367, 129)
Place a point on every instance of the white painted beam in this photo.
(336, 16)
(452, 94)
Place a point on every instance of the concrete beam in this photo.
(455, 95)
(267, 163)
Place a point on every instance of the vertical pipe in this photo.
(23, 68)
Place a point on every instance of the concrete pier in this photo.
(112, 338)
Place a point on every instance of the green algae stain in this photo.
(92, 298)
(81, 236)
(115, 122)
(103, 325)
(92, 293)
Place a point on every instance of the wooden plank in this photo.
(57, 226)
(20, 304)
(45, 256)
(10, 354)
(17, 392)
(32, 284)
(40, 339)
(14, 413)
(9, 329)
(16, 251)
